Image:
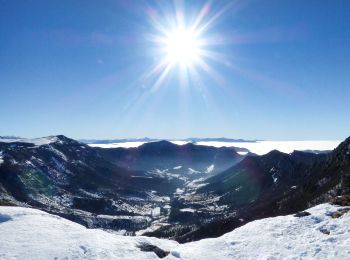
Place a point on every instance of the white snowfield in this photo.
(258, 147)
(32, 234)
(35, 141)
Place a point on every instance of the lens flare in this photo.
(181, 40)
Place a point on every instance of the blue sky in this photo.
(78, 68)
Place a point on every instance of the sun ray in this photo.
(204, 11)
(162, 76)
(212, 73)
(182, 44)
(204, 27)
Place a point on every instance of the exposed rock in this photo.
(152, 248)
(302, 214)
(342, 200)
(325, 231)
(340, 213)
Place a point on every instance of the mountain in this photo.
(257, 187)
(124, 140)
(188, 160)
(184, 192)
(258, 176)
(322, 233)
(68, 178)
(146, 139)
(109, 188)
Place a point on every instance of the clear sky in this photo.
(273, 69)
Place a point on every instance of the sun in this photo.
(182, 46)
(183, 42)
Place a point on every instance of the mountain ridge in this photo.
(146, 188)
(146, 139)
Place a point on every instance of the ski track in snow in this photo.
(33, 234)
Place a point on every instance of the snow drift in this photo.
(33, 234)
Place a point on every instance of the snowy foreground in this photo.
(33, 234)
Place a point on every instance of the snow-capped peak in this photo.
(36, 141)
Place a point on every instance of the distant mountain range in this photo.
(146, 139)
(184, 192)
(188, 160)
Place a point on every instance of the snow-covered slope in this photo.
(32, 234)
(284, 237)
(35, 141)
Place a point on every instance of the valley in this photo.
(183, 192)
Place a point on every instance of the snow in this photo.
(196, 184)
(210, 168)
(117, 145)
(274, 174)
(177, 167)
(285, 237)
(188, 210)
(60, 167)
(33, 234)
(1, 158)
(258, 147)
(179, 142)
(179, 191)
(192, 171)
(156, 212)
(35, 141)
(58, 153)
(238, 188)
